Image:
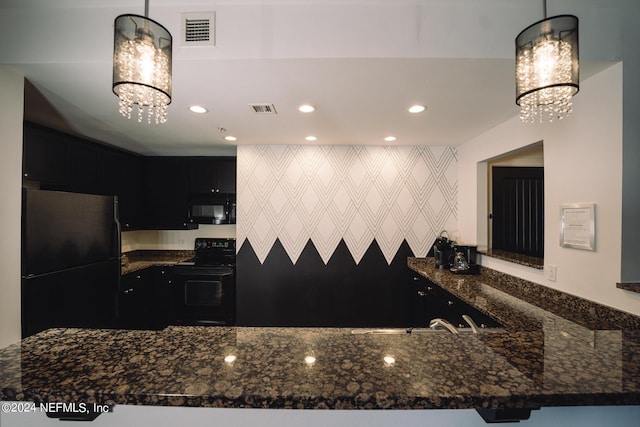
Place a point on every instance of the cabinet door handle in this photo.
(128, 291)
(422, 293)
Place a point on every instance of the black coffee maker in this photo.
(464, 259)
(443, 250)
(469, 252)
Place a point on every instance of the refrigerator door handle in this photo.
(118, 228)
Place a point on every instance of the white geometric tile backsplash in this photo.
(357, 193)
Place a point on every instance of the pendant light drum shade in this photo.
(547, 68)
(142, 67)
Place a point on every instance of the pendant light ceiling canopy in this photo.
(547, 68)
(142, 66)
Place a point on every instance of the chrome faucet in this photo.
(471, 323)
(435, 323)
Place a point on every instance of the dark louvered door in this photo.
(518, 210)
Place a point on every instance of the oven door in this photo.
(203, 296)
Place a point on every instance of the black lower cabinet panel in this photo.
(144, 300)
(372, 293)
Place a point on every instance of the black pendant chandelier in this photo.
(547, 68)
(142, 66)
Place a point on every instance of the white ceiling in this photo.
(361, 63)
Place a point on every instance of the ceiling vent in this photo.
(198, 29)
(263, 108)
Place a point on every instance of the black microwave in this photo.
(206, 210)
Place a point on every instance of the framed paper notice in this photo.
(577, 226)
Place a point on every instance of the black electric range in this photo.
(204, 288)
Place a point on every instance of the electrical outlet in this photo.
(550, 272)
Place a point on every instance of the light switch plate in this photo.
(550, 272)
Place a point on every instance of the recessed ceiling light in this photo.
(390, 138)
(230, 138)
(417, 109)
(306, 108)
(311, 138)
(198, 109)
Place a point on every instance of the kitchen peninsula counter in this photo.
(540, 358)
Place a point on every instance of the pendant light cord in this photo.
(544, 8)
(146, 9)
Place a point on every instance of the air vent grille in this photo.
(198, 29)
(263, 108)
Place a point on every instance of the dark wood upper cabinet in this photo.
(109, 172)
(131, 195)
(167, 193)
(153, 192)
(44, 158)
(211, 175)
(82, 166)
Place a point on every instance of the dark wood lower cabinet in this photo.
(143, 299)
(340, 293)
(429, 301)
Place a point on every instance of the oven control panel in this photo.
(205, 243)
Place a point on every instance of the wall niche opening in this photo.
(515, 206)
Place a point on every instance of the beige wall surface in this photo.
(11, 101)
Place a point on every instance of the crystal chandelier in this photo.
(547, 68)
(142, 66)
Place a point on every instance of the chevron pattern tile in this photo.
(355, 193)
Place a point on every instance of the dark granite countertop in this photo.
(629, 286)
(544, 356)
(139, 260)
(527, 260)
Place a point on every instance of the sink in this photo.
(397, 331)
(382, 331)
(437, 325)
(406, 331)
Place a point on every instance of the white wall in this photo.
(353, 193)
(583, 163)
(11, 108)
(173, 239)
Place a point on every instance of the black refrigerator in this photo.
(70, 260)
